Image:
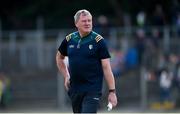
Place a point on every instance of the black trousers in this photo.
(85, 102)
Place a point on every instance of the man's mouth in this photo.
(87, 27)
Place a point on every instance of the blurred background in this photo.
(143, 37)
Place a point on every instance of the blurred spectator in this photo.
(152, 49)
(140, 44)
(131, 58)
(162, 61)
(141, 19)
(155, 39)
(174, 66)
(5, 94)
(165, 85)
(127, 20)
(170, 62)
(177, 83)
(177, 75)
(173, 60)
(158, 16)
(168, 72)
(177, 23)
(103, 26)
(175, 9)
(117, 62)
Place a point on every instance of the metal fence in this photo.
(36, 50)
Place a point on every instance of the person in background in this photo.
(5, 90)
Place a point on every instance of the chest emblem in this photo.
(71, 46)
(90, 46)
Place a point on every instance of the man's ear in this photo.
(76, 24)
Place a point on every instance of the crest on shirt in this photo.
(90, 46)
(71, 46)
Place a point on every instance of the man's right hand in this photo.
(67, 82)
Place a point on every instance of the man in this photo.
(88, 61)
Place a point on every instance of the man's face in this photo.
(84, 24)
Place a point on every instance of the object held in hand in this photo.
(109, 106)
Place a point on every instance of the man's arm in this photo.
(110, 81)
(62, 67)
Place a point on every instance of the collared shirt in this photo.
(85, 54)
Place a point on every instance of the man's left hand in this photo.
(112, 99)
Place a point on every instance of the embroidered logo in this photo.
(71, 46)
(95, 98)
(90, 46)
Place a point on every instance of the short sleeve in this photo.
(63, 47)
(103, 50)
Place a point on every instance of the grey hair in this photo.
(78, 13)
